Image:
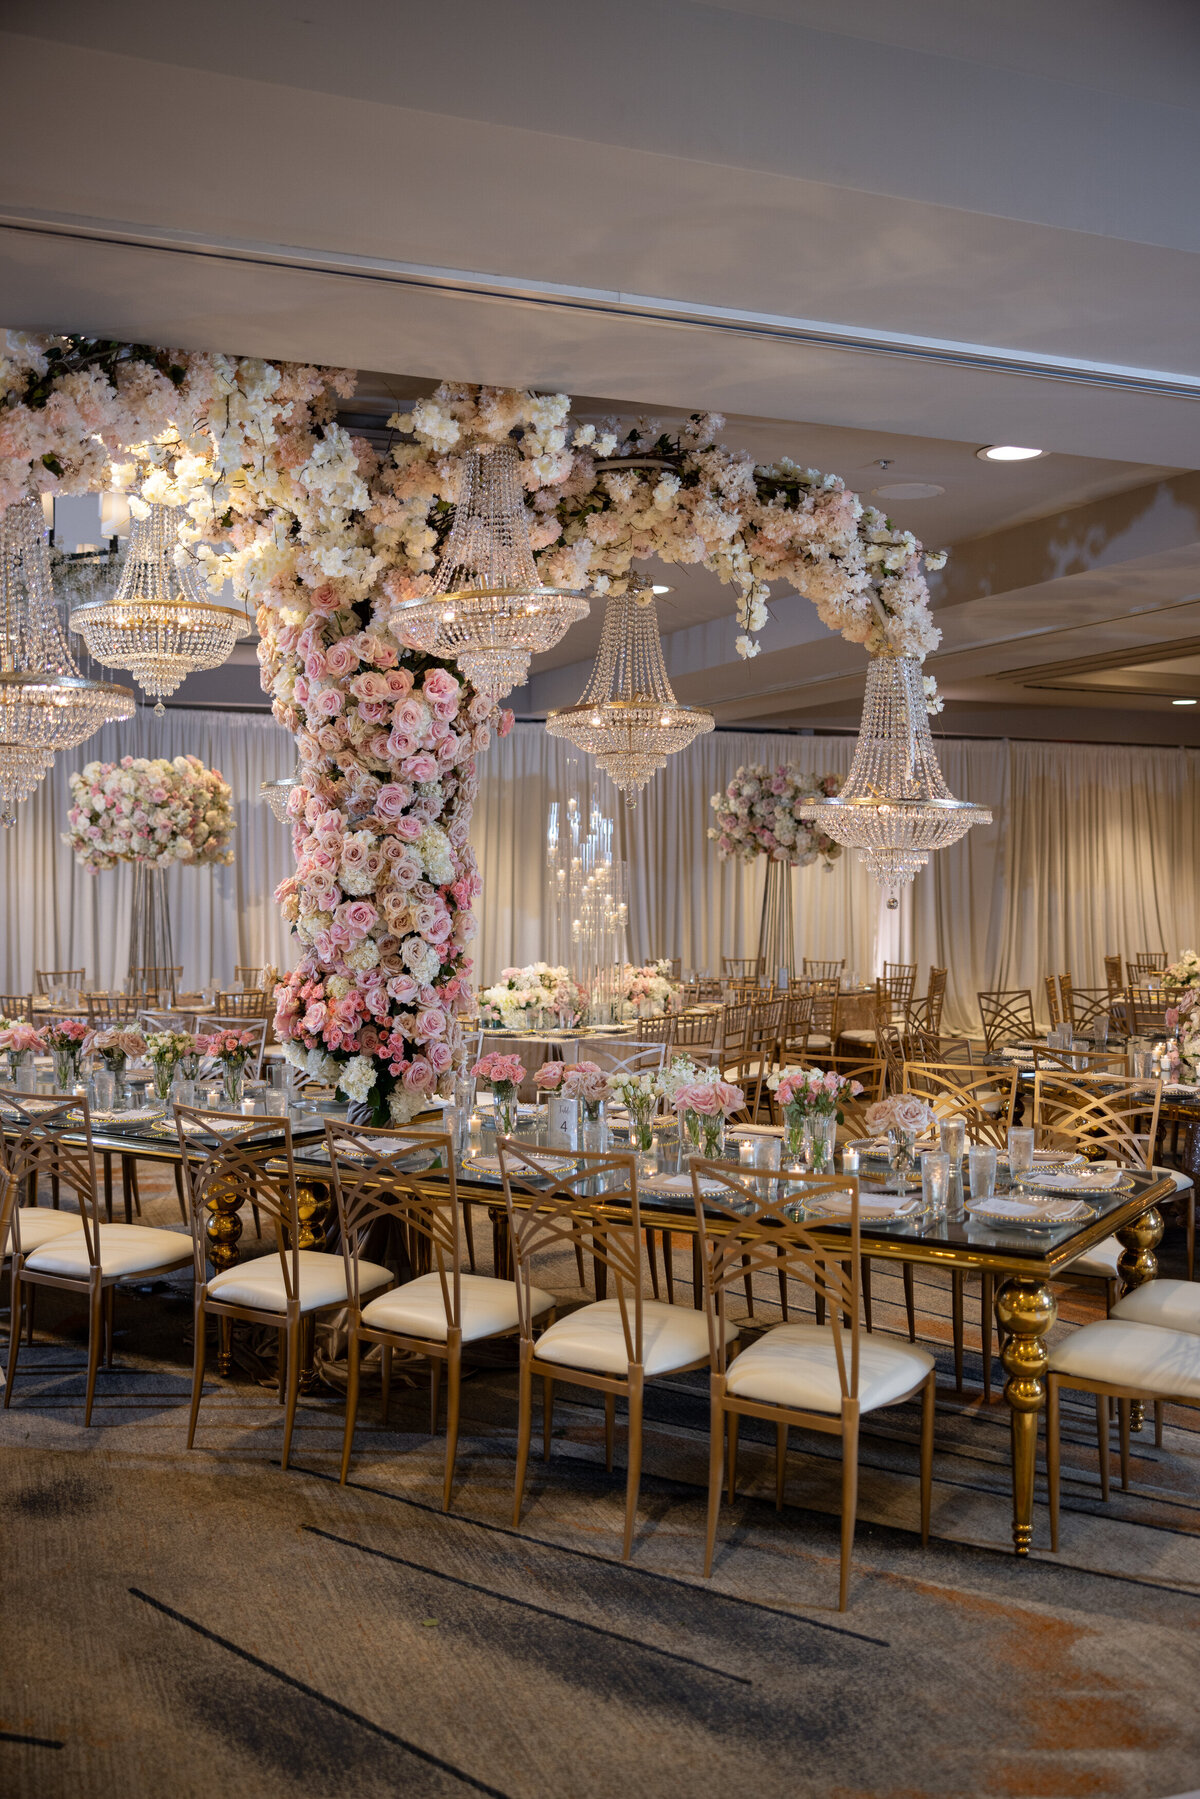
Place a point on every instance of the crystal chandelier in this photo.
(629, 718)
(162, 623)
(895, 807)
(277, 795)
(486, 608)
(45, 704)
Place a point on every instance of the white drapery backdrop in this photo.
(57, 915)
(1094, 849)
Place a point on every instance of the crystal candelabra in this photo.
(589, 910)
(162, 623)
(629, 718)
(45, 704)
(487, 608)
(895, 808)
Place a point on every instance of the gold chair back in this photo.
(36, 1137)
(899, 980)
(1115, 1115)
(546, 1212)
(984, 1098)
(1006, 1014)
(1148, 961)
(829, 968)
(45, 979)
(371, 1185)
(250, 1164)
(743, 968)
(17, 1007)
(695, 1032)
(1053, 1004)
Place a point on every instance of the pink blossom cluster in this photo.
(18, 1039)
(710, 1099)
(811, 1090)
(500, 1070)
(758, 815)
(67, 1033)
(227, 1046)
(150, 810)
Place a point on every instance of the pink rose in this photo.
(421, 767)
(440, 684)
(549, 1077)
(370, 686)
(328, 702)
(440, 1056)
(391, 801)
(419, 1075)
(400, 683)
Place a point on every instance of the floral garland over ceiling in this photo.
(329, 539)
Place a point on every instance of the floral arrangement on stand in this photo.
(757, 816)
(1181, 984)
(150, 810)
(328, 540)
(649, 991)
(812, 1110)
(521, 994)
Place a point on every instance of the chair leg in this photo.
(548, 1418)
(30, 1304)
(731, 1460)
(716, 1456)
(178, 1172)
(910, 1303)
(849, 1500)
(748, 1280)
(95, 1328)
(108, 1186)
(1191, 1235)
(865, 1279)
(1102, 1440)
(110, 1301)
(1052, 1458)
(292, 1341)
(668, 1249)
(928, 1405)
(257, 1219)
(14, 1330)
(435, 1392)
(781, 1443)
(610, 1416)
(633, 1475)
(385, 1385)
(956, 1318)
(199, 1353)
(1158, 1423)
(579, 1266)
(652, 1258)
(1123, 1429)
(353, 1353)
(453, 1393)
(986, 1311)
(469, 1231)
(524, 1431)
(1110, 1296)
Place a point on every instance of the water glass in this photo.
(1020, 1153)
(981, 1166)
(27, 1078)
(103, 1091)
(952, 1134)
(275, 1102)
(1100, 1031)
(1143, 1064)
(935, 1182)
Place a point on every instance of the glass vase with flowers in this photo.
(504, 1075)
(232, 1050)
(66, 1039)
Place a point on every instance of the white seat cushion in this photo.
(416, 1309)
(796, 1364)
(1100, 1260)
(40, 1224)
(821, 1040)
(867, 1038)
(592, 1337)
(1171, 1305)
(125, 1249)
(322, 1282)
(1127, 1354)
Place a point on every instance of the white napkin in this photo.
(491, 1165)
(679, 1183)
(379, 1146)
(873, 1202)
(1076, 1180)
(1054, 1211)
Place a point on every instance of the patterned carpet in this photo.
(185, 1624)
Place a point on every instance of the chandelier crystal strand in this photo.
(45, 704)
(278, 793)
(895, 808)
(629, 718)
(162, 623)
(486, 608)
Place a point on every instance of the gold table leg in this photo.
(1136, 1265)
(1026, 1309)
(312, 1207)
(224, 1227)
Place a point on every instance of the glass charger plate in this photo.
(133, 1117)
(1064, 1188)
(681, 1183)
(216, 1127)
(1047, 1158)
(410, 1163)
(873, 1208)
(549, 1165)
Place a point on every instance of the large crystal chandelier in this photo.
(277, 794)
(487, 609)
(162, 623)
(629, 718)
(895, 807)
(45, 704)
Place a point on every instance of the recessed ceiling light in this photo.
(1007, 453)
(909, 490)
(1183, 702)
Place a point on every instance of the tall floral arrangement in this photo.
(521, 993)
(144, 809)
(757, 815)
(649, 991)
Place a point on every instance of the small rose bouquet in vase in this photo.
(18, 1041)
(812, 1110)
(504, 1075)
(115, 1047)
(639, 1094)
(166, 1049)
(231, 1049)
(902, 1119)
(705, 1107)
(66, 1039)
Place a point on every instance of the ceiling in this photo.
(867, 234)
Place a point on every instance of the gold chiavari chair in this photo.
(762, 1054)
(1146, 1012)
(1147, 961)
(985, 1099)
(1053, 1004)
(88, 1261)
(247, 974)
(675, 963)
(705, 990)
(695, 1034)
(244, 1005)
(862, 1037)
(17, 1007)
(899, 980)
(743, 968)
(1006, 1014)
(821, 1377)
(46, 979)
(826, 998)
(657, 1030)
(797, 1024)
(377, 1185)
(735, 1027)
(815, 968)
(107, 1008)
(613, 1346)
(286, 1289)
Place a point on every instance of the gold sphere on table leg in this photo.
(1025, 1308)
